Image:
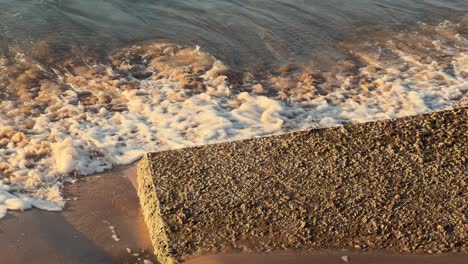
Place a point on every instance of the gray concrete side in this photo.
(397, 184)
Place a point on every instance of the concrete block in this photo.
(395, 184)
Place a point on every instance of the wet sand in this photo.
(81, 233)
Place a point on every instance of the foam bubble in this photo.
(81, 118)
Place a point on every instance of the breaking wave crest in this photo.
(82, 114)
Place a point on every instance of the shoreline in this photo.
(156, 96)
(101, 220)
(82, 233)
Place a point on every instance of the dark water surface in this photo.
(240, 32)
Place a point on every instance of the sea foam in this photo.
(83, 116)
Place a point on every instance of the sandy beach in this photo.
(100, 207)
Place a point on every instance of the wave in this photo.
(80, 113)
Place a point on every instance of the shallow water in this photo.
(86, 85)
(239, 32)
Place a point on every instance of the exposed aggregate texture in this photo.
(394, 184)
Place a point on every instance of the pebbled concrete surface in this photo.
(397, 185)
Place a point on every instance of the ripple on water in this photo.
(84, 113)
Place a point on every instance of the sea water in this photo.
(86, 84)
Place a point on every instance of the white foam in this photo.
(70, 137)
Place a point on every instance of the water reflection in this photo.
(241, 32)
